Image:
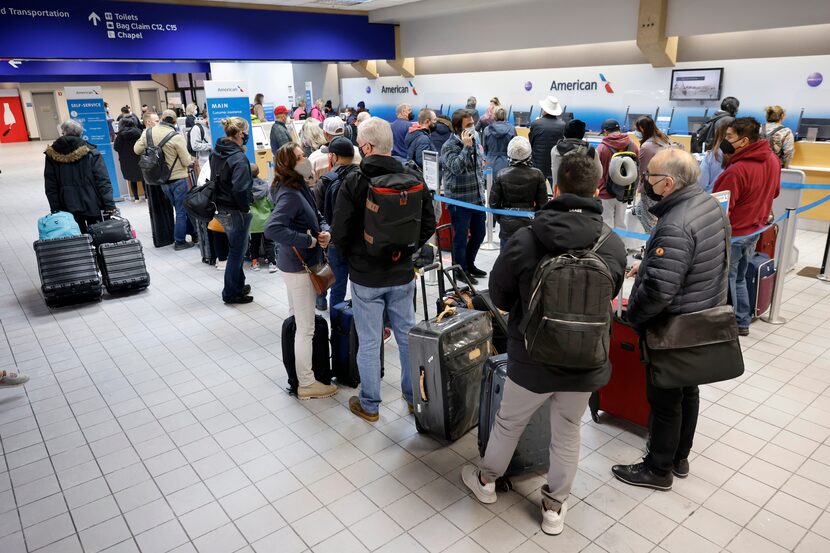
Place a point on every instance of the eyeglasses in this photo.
(647, 174)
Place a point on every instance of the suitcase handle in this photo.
(422, 384)
(422, 272)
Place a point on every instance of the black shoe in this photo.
(240, 299)
(246, 289)
(681, 468)
(743, 331)
(194, 239)
(476, 272)
(462, 277)
(640, 474)
(321, 304)
(182, 246)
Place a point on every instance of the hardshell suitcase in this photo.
(110, 231)
(767, 241)
(760, 281)
(68, 273)
(344, 345)
(162, 219)
(533, 449)
(446, 356)
(320, 352)
(625, 394)
(122, 266)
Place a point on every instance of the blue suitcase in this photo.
(344, 344)
(760, 281)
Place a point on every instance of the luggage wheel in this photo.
(418, 426)
(595, 416)
(504, 484)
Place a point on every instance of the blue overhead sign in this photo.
(23, 68)
(48, 29)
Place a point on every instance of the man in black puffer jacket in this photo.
(682, 272)
(571, 221)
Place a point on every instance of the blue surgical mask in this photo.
(638, 134)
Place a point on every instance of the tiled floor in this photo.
(158, 422)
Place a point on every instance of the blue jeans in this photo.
(175, 192)
(742, 250)
(236, 226)
(369, 305)
(466, 221)
(340, 268)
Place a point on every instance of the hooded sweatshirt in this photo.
(417, 140)
(611, 144)
(566, 222)
(497, 136)
(76, 178)
(234, 181)
(442, 132)
(567, 146)
(753, 178)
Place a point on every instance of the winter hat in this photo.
(575, 129)
(518, 148)
(341, 146)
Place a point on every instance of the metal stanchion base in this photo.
(489, 246)
(823, 277)
(776, 321)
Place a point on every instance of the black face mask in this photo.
(649, 189)
(245, 137)
(727, 147)
(411, 116)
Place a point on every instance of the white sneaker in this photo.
(272, 267)
(220, 265)
(552, 522)
(485, 494)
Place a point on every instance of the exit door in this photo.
(150, 98)
(46, 115)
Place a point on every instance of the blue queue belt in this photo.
(641, 236)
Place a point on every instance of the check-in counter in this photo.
(814, 159)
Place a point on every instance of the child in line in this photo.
(261, 211)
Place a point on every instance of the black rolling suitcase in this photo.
(344, 345)
(446, 356)
(122, 266)
(533, 449)
(162, 219)
(68, 273)
(320, 352)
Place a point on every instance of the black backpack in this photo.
(392, 225)
(190, 130)
(568, 320)
(702, 139)
(153, 163)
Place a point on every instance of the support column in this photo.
(660, 50)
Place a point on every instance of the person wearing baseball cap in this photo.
(613, 141)
(279, 131)
(332, 128)
(545, 132)
(574, 142)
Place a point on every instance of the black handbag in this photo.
(200, 201)
(114, 229)
(694, 348)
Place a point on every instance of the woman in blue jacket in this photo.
(302, 233)
(497, 136)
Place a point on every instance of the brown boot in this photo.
(356, 408)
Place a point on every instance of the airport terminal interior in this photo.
(159, 420)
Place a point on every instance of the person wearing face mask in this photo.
(713, 163)
(418, 137)
(497, 135)
(178, 159)
(682, 271)
(652, 140)
(400, 127)
(462, 161)
(753, 179)
(302, 233)
(234, 196)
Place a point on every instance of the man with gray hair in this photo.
(76, 177)
(400, 127)
(684, 270)
(382, 277)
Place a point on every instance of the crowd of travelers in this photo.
(315, 207)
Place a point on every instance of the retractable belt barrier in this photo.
(644, 237)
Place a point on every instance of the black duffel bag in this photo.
(114, 229)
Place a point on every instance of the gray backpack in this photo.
(568, 320)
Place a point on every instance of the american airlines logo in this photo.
(581, 86)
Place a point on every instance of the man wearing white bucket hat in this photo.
(545, 132)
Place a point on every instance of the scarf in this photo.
(527, 162)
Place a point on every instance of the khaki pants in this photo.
(518, 404)
(301, 298)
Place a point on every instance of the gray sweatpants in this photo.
(517, 406)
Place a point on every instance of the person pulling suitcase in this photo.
(566, 265)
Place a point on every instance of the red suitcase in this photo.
(445, 236)
(767, 241)
(625, 394)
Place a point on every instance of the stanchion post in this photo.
(774, 316)
(824, 274)
(489, 244)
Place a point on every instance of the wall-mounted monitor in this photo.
(632, 120)
(696, 84)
